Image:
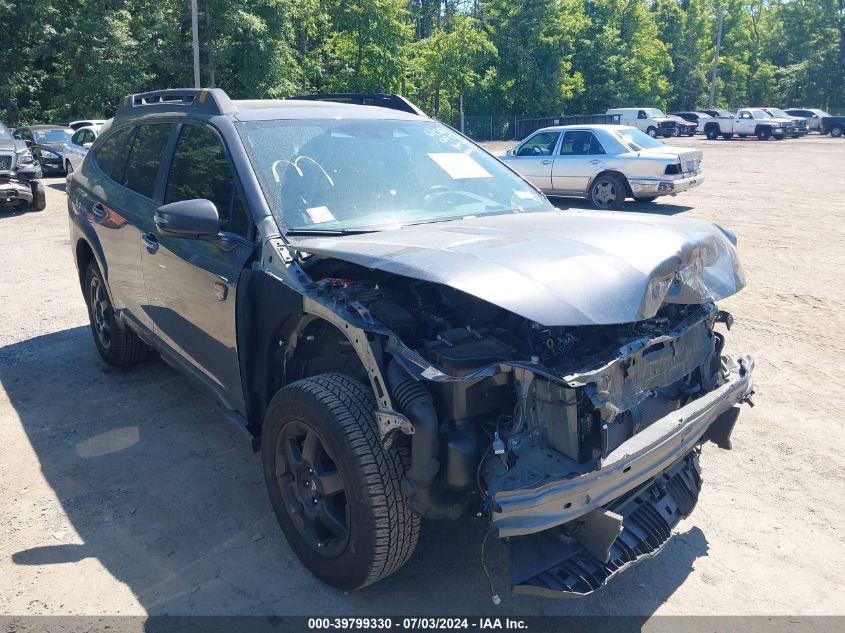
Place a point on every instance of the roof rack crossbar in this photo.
(209, 101)
(381, 99)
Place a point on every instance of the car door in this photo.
(745, 123)
(580, 158)
(73, 152)
(535, 156)
(117, 198)
(192, 283)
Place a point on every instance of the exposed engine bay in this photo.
(572, 396)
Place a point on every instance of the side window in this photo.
(744, 115)
(76, 139)
(200, 170)
(642, 115)
(542, 144)
(88, 137)
(145, 158)
(580, 143)
(111, 155)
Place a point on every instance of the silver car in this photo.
(78, 145)
(604, 164)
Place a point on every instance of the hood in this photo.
(10, 145)
(557, 268)
(58, 148)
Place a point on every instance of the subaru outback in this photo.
(409, 330)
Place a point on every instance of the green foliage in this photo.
(62, 60)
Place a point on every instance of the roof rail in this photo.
(381, 99)
(210, 101)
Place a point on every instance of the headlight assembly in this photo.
(25, 157)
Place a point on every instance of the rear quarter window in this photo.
(145, 157)
(111, 155)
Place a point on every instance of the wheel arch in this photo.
(284, 336)
(628, 191)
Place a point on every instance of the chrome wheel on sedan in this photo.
(607, 192)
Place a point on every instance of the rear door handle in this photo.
(595, 161)
(545, 162)
(99, 211)
(151, 241)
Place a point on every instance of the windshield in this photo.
(654, 113)
(761, 114)
(777, 112)
(53, 135)
(346, 175)
(637, 140)
(4, 132)
(723, 113)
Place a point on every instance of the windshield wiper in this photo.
(329, 232)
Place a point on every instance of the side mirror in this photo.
(188, 218)
(511, 152)
(87, 145)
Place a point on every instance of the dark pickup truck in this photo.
(833, 125)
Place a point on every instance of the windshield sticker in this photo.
(459, 166)
(526, 195)
(319, 215)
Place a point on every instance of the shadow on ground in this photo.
(660, 206)
(169, 498)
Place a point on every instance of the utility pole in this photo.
(722, 15)
(195, 29)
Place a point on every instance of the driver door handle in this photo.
(545, 162)
(595, 161)
(151, 241)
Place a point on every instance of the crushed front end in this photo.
(579, 441)
(18, 175)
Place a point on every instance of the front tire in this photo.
(118, 345)
(39, 196)
(763, 134)
(334, 487)
(652, 131)
(607, 192)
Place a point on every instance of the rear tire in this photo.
(712, 133)
(39, 196)
(118, 345)
(837, 131)
(320, 434)
(608, 191)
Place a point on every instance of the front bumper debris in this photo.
(552, 564)
(14, 192)
(646, 187)
(641, 458)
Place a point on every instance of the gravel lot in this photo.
(123, 492)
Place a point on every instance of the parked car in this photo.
(813, 116)
(604, 164)
(833, 125)
(76, 125)
(682, 126)
(652, 121)
(409, 329)
(800, 122)
(47, 144)
(20, 188)
(78, 145)
(748, 122)
(699, 118)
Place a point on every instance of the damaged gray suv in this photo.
(410, 330)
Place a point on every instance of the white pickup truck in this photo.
(748, 122)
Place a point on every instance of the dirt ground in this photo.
(123, 492)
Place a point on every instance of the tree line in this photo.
(60, 60)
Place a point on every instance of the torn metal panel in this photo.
(557, 268)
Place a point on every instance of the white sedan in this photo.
(77, 147)
(604, 164)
